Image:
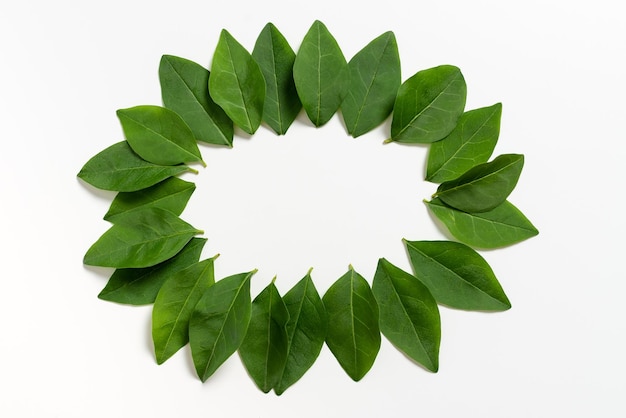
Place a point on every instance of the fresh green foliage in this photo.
(275, 58)
(159, 135)
(409, 316)
(174, 304)
(237, 84)
(428, 105)
(184, 89)
(353, 331)
(374, 81)
(320, 72)
(118, 168)
(470, 143)
(501, 226)
(140, 286)
(484, 186)
(456, 275)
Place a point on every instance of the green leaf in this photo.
(174, 304)
(219, 323)
(139, 286)
(409, 316)
(374, 81)
(306, 331)
(275, 58)
(185, 90)
(320, 72)
(428, 105)
(353, 331)
(483, 187)
(118, 168)
(501, 226)
(171, 194)
(470, 143)
(456, 275)
(237, 84)
(140, 238)
(159, 135)
(264, 348)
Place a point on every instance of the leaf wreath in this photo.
(157, 256)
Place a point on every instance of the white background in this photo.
(317, 198)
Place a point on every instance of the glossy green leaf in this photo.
(159, 135)
(353, 331)
(306, 331)
(118, 168)
(483, 187)
(171, 194)
(140, 286)
(237, 84)
(456, 275)
(501, 226)
(219, 323)
(320, 72)
(374, 81)
(185, 90)
(470, 143)
(275, 58)
(409, 316)
(428, 105)
(264, 349)
(175, 303)
(141, 238)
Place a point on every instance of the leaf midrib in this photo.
(478, 179)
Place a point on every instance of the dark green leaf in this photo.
(159, 135)
(409, 316)
(139, 286)
(174, 304)
(320, 72)
(428, 105)
(374, 81)
(219, 323)
(264, 349)
(118, 168)
(306, 331)
(483, 187)
(353, 331)
(501, 226)
(456, 275)
(472, 142)
(276, 58)
(185, 90)
(141, 238)
(237, 83)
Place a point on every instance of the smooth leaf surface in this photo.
(374, 81)
(428, 105)
(409, 316)
(504, 225)
(119, 168)
(306, 331)
(264, 348)
(237, 84)
(275, 58)
(185, 90)
(140, 286)
(219, 323)
(159, 135)
(140, 238)
(484, 186)
(456, 275)
(470, 143)
(320, 72)
(175, 303)
(353, 331)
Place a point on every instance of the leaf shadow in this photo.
(98, 193)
